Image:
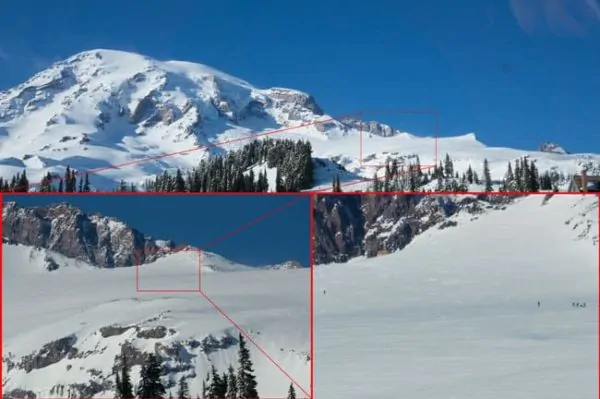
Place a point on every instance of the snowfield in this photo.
(77, 301)
(120, 114)
(454, 315)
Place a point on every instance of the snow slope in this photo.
(102, 108)
(78, 301)
(454, 315)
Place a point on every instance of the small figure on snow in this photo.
(538, 304)
(324, 292)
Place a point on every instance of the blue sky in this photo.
(516, 75)
(204, 220)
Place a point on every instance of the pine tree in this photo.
(448, 166)
(126, 386)
(534, 178)
(118, 386)
(217, 388)
(470, 174)
(278, 182)
(509, 178)
(245, 377)
(376, 183)
(232, 389)
(486, 176)
(183, 392)
(86, 183)
(150, 385)
(179, 182)
(23, 183)
(291, 392)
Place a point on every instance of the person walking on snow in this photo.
(538, 304)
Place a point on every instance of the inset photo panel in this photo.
(190, 296)
(456, 296)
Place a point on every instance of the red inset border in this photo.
(141, 254)
(477, 193)
(301, 392)
(364, 115)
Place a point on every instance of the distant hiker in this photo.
(324, 292)
(583, 305)
(573, 304)
(538, 304)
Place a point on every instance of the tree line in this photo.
(294, 172)
(521, 175)
(234, 172)
(235, 383)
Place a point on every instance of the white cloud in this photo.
(561, 17)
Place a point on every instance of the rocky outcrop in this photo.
(99, 240)
(350, 226)
(51, 353)
(372, 127)
(300, 99)
(552, 148)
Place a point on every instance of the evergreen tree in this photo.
(487, 179)
(232, 389)
(126, 386)
(376, 183)
(179, 182)
(534, 178)
(217, 388)
(448, 166)
(509, 178)
(470, 175)
(86, 184)
(546, 181)
(23, 184)
(278, 182)
(150, 385)
(183, 392)
(245, 377)
(291, 392)
(118, 387)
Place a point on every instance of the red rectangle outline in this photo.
(426, 111)
(241, 330)
(138, 263)
(523, 194)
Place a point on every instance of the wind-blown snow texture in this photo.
(103, 107)
(454, 314)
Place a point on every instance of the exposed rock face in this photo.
(376, 128)
(51, 353)
(350, 226)
(553, 148)
(99, 240)
(295, 97)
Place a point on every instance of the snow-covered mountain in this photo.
(102, 108)
(454, 314)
